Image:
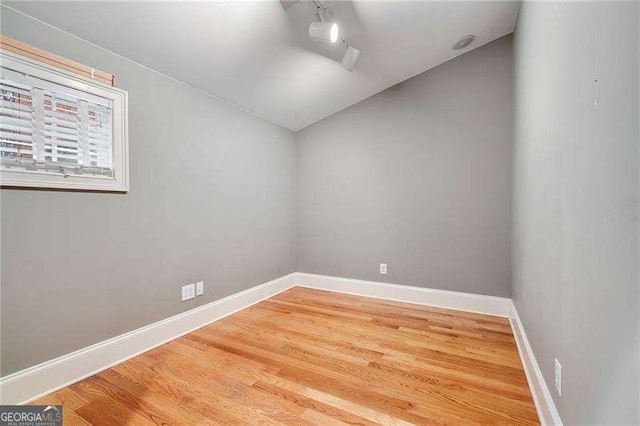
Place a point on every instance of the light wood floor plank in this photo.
(309, 357)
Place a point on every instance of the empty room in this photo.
(320, 212)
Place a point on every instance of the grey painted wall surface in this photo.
(575, 213)
(418, 177)
(212, 198)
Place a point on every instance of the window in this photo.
(60, 130)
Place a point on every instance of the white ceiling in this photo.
(258, 56)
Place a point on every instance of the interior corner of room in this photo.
(366, 212)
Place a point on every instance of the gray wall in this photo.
(418, 177)
(212, 198)
(575, 214)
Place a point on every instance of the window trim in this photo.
(35, 179)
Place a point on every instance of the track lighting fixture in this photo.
(350, 58)
(323, 31)
(326, 32)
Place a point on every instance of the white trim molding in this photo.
(541, 396)
(37, 381)
(489, 305)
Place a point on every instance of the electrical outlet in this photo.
(383, 269)
(199, 288)
(558, 377)
(188, 292)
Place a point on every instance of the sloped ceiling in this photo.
(257, 55)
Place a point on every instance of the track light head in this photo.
(350, 58)
(326, 32)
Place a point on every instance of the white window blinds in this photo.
(52, 128)
(59, 129)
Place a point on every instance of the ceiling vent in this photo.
(463, 42)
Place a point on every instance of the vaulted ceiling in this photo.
(257, 55)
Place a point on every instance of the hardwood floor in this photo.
(315, 357)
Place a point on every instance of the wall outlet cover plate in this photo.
(188, 292)
(383, 269)
(558, 376)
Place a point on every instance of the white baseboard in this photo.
(489, 305)
(34, 382)
(542, 397)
